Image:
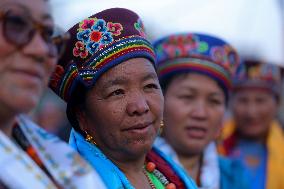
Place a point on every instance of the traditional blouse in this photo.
(115, 178)
(37, 159)
(270, 164)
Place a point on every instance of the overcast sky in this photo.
(252, 26)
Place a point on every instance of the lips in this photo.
(29, 73)
(139, 126)
(196, 132)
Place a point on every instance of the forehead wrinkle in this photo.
(151, 75)
(117, 81)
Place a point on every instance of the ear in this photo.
(82, 118)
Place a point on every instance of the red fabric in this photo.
(229, 143)
(165, 168)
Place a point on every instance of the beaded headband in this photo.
(98, 43)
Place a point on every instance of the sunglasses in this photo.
(19, 28)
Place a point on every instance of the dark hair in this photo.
(77, 102)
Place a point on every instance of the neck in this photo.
(6, 123)
(133, 170)
(7, 118)
(261, 139)
(191, 164)
(129, 167)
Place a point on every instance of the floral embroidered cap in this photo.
(193, 52)
(96, 44)
(254, 73)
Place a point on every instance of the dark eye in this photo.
(152, 86)
(186, 97)
(47, 34)
(216, 101)
(117, 92)
(16, 22)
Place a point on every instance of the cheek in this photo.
(268, 112)
(239, 110)
(49, 67)
(175, 110)
(156, 103)
(217, 115)
(5, 48)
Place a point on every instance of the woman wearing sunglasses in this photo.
(30, 157)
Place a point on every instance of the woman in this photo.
(253, 136)
(195, 74)
(114, 101)
(30, 157)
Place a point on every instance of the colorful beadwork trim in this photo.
(105, 58)
(194, 64)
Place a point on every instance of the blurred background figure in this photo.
(253, 135)
(195, 74)
(50, 115)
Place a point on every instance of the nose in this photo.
(252, 110)
(137, 105)
(199, 110)
(37, 47)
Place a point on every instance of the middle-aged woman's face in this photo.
(194, 109)
(24, 71)
(124, 109)
(253, 111)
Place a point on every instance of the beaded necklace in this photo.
(151, 168)
(149, 180)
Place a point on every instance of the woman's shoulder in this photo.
(62, 162)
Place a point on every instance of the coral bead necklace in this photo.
(151, 168)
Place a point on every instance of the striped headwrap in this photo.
(98, 43)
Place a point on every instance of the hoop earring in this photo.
(89, 138)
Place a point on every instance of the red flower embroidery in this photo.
(96, 36)
(80, 50)
(87, 24)
(114, 28)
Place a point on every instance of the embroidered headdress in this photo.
(98, 43)
(192, 52)
(254, 73)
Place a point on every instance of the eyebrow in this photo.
(189, 88)
(151, 75)
(47, 17)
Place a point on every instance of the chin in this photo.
(140, 148)
(196, 148)
(26, 103)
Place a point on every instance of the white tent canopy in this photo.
(253, 27)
